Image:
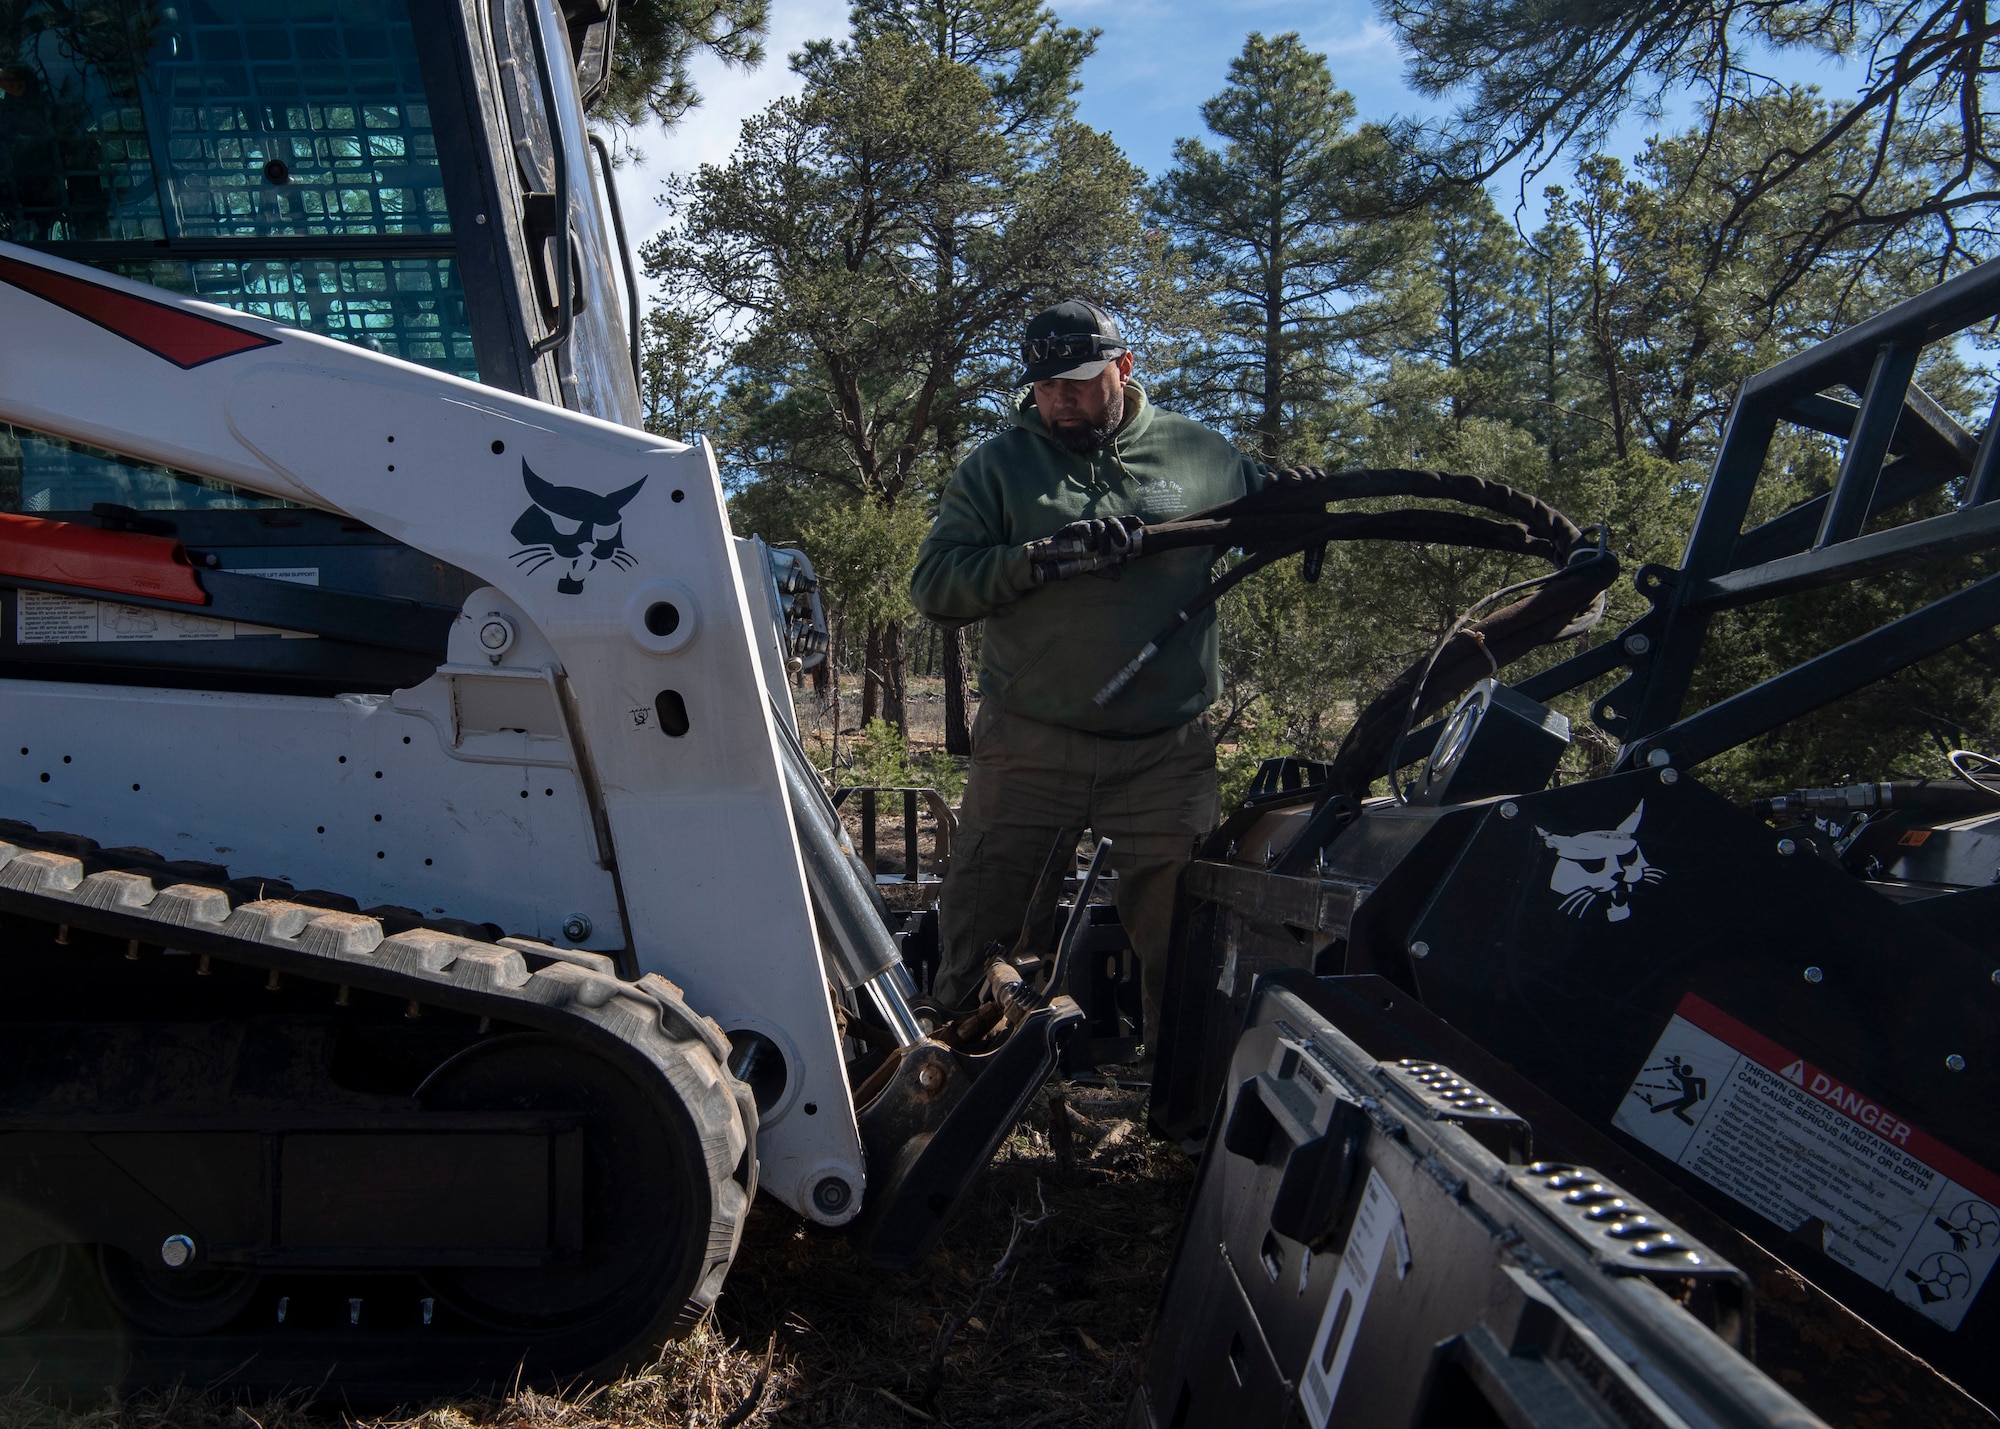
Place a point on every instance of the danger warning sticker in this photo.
(1792, 1143)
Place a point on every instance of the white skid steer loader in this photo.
(423, 931)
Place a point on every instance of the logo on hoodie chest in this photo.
(1160, 498)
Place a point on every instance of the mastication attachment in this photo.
(1769, 1023)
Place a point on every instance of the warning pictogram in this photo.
(1972, 1225)
(1674, 1088)
(1940, 1278)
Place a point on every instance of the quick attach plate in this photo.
(1621, 1233)
(1446, 1096)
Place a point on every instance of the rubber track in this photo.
(574, 994)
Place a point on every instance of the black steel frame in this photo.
(1900, 444)
(947, 826)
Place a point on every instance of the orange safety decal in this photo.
(124, 562)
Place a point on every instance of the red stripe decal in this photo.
(121, 562)
(185, 339)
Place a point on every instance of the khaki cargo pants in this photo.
(1152, 797)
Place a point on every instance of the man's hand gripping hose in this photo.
(1085, 546)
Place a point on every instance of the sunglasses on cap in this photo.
(1070, 344)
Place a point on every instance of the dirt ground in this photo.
(1051, 1333)
(1032, 1314)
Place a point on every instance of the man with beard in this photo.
(1033, 535)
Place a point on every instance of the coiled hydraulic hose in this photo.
(1289, 517)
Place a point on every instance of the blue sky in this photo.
(1155, 63)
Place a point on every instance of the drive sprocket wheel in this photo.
(192, 1300)
(645, 1194)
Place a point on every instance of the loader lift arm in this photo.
(580, 796)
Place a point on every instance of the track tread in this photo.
(687, 1051)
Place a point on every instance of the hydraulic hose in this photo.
(1289, 517)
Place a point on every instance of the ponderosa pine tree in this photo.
(1537, 81)
(1283, 228)
(656, 41)
(676, 380)
(1465, 293)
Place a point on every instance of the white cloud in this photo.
(1370, 37)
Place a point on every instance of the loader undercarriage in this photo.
(256, 1138)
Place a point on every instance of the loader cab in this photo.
(384, 172)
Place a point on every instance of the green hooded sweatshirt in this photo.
(1047, 649)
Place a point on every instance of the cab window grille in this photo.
(412, 308)
(274, 157)
(40, 474)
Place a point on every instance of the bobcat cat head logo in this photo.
(577, 528)
(1606, 863)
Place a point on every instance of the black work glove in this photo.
(1085, 546)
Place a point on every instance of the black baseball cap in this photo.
(1075, 339)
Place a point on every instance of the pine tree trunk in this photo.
(1270, 425)
(894, 683)
(957, 728)
(833, 684)
(1551, 413)
(871, 683)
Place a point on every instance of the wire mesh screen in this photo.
(412, 308)
(239, 120)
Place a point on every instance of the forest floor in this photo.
(923, 717)
(1032, 1314)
